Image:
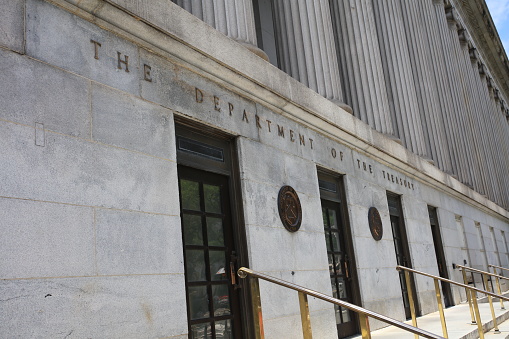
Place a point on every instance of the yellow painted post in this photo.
(495, 326)
(304, 316)
(469, 295)
(364, 323)
(257, 308)
(498, 288)
(477, 316)
(411, 300)
(440, 308)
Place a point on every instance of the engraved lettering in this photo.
(268, 124)
(333, 152)
(244, 116)
(258, 121)
(370, 169)
(358, 163)
(383, 173)
(230, 108)
(125, 61)
(400, 181)
(311, 143)
(302, 140)
(413, 187)
(146, 72)
(198, 95)
(392, 178)
(364, 165)
(292, 139)
(216, 104)
(404, 183)
(341, 155)
(96, 48)
(281, 131)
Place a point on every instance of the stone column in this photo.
(453, 91)
(414, 12)
(441, 81)
(360, 63)
(398, 75)
(305, 46)
(233, 18)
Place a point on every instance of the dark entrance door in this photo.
(402, 251)
(340, 255)
(211, 234)
(439, 252)
(209, 255)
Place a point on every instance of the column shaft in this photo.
(360, 62)
(398, 75)
(305, 45)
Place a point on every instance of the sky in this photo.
(499, 10)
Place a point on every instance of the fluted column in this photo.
(448, 37)
(305, 45)
(398, 75)
(360, 63)
(414, 12)
(233, 18)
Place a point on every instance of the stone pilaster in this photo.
(360, 63)
(234, 18)
(305, 45)
(398, 75)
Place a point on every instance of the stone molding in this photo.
(176, 34)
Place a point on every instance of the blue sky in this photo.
(499, 10)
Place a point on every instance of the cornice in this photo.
(481, 28)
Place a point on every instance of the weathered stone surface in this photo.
(45, 240)
(33, 92)
(64, 40)
(150, 306)
(71, 170)
(138, 243)
(125, 121)
(12, 19)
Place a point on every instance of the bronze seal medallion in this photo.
(290, 210)
(375, 224)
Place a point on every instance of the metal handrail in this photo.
(363, 313)
(484, 276)
(499, 267)
(469, 291)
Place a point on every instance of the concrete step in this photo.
(458, 321)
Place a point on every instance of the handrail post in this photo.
(304, 316)
(490, 300)
(498, 288)
(364, 324)
(411, 300)
(470, 295)
(257, 308)
(477, 316)
(440, 308)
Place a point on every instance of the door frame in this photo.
(340, 199)
(230, 168)
(440, 254)
(405, 245)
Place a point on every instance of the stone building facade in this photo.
(144, 146)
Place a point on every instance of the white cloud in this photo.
(499, 10)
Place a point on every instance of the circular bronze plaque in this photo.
(290, 210)
(375, 224)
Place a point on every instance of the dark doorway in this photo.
(439, 252)
(402, 251)
(338, 240)
(209, 232)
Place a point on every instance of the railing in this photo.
(498, 280)
(363, 313)
(470, 291)
(484, 276)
